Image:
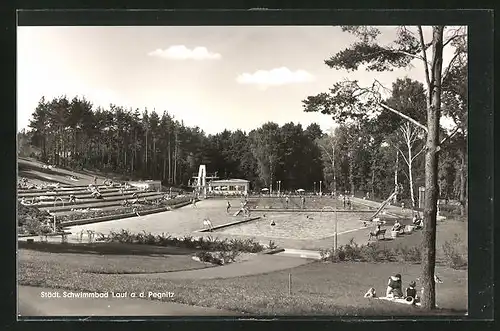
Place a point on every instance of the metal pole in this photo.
(320, 187)
(336, 221)
(289, 284)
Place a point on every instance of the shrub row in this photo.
(374, 252)
(219, 258)
(204, 243)
(454, 255)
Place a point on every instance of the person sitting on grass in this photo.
(397, 226)
(371, 293)
(394, 287)
(417, 221)
(411, 293)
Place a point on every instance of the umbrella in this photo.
(300, 190)
(265, 189)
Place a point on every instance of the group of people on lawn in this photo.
(417, 222)
(395, 290)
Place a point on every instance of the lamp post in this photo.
(335, 238)
(320, 187)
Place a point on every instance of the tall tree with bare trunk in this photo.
(347, 99)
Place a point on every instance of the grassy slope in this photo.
(32, 169)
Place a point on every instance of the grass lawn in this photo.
(317, 288)
(445, 232)
(103, 258)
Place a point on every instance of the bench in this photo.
(377, 234)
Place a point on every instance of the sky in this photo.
(216, 78)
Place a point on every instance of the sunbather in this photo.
(411, 293)
(371, 293)
(394, 287)
(397, 226)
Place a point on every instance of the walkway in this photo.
(30, 303)
(259, 264)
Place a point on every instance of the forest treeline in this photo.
(360, 158)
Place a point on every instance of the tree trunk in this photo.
(169, 160)
(396, 170)
(373, 180)
(333, 169)
(410, 173)
(164, 165)
(351, 173)
(175, 159)
(431, 172)
(462, 197)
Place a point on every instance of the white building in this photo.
(229, 187)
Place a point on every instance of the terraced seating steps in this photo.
(95, 203)
(89, 198)
(74, 192)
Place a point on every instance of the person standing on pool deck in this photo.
(228, 206)
(286, 200)
(303, 200)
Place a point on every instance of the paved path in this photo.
(30, 303)
(259, 264)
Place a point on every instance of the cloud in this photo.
(181, 52)
(275, 77)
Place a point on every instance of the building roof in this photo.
(230, 181)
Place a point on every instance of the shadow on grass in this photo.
(104, 248)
